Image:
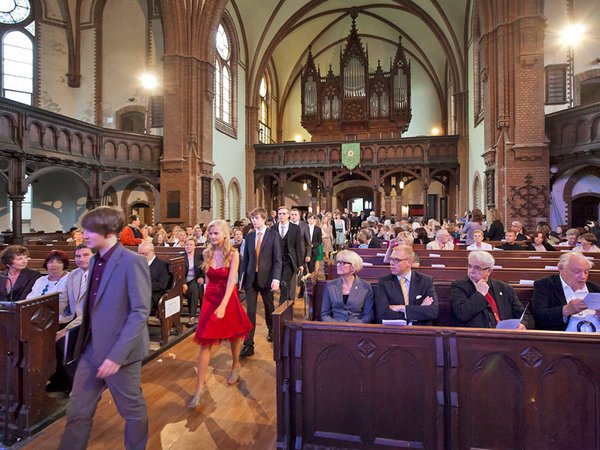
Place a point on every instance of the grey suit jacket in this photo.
(389, 293)
(359, 307)
(117, 329)
(72, 291)
(306, 242)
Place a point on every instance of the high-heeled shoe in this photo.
(234, 376)
(191, 322)
(195, 400)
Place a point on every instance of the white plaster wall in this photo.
(229, 154)
(58, 202)
(84, 100)
(589, 184)
(55, 94)
(123, 60)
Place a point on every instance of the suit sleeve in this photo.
(326, 306)
(139, 293)
(276, 264)
(368, 314)
(547, 309)
(244, 262)
(382, 305)
(300, 248)
(164, 277)
(465, 305)
(418, 312)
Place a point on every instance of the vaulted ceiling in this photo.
(280, 32)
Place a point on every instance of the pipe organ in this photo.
(356, 104)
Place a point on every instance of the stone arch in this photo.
(218, 192)
(234, 194)
(46, 170)
(568, 196)
(579, 79)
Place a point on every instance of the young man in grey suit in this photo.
(261, 269)
(113, 338)
(290, 241)
(406, 294)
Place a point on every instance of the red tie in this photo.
(492, 303)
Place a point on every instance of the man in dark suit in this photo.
(113, 338)
(292, 258)
(405, 294)
(316, 239)
(159, 272)
(260, 269)
(372, 240)
(481, 302)
(510, 244)
(306, 245)
(558, 299)
(517, 227)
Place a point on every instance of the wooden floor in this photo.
(229, 417)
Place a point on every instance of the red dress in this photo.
(235, 322)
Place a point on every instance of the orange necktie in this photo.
(258, 242)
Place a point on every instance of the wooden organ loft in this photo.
(356, 105)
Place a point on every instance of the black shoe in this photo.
(270, 336)
(247, 350)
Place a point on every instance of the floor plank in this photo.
(229, 417)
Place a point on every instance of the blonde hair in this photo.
(228, 249)
(352, 258)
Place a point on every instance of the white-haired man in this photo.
(558, 299)
(443, 241)
(479, 301)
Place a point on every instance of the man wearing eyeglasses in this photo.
(481, 302)
(405, 294)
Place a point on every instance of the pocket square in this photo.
(418, 296)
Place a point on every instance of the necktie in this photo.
(404, 290)
(282, 232)
(492, 303)
(82, 287)
(258, 242)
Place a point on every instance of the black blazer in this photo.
(471, 309)
(317, 239)
(375, 242)
(21, 287)
(547, 246)
(294, 242)
(496, 231)
(198, 261)
(160, 278)
(269, 264)
(389, 293)
(548, 301)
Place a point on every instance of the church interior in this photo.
(187, 111)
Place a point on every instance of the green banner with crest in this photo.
(351, 155)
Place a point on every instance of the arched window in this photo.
(17, 29)
(264, 124)
(226, 79)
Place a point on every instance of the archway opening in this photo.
(584, 208)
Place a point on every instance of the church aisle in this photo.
(229, 417)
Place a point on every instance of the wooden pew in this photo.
(172, 321)
(27, 359)
(377, 387)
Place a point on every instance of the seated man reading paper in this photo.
(481, 302)
(558, 300)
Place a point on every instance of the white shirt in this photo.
(484, 246)
(262, 234)
(435, 245)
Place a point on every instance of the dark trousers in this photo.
(251, 302)
(194, 295)
(125, 388)
(286, 287)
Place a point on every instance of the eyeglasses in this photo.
(477, 268)
(343, 262)
(397, 260)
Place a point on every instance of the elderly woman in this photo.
(76, 237)
(16, 280)
(348, 298)
(539, 243)
(478, 243)
(588, 243)
(56, 263)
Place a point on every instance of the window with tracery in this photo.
(264, 124)
(17, 29)
(226, 78)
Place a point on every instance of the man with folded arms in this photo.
(481, 302)
(559, 298)
(405, 294)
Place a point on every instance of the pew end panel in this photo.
(28, 359)
(173, 321)
(281, 316)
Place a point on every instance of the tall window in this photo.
(223, 77)
(17, 30)
(264, 131)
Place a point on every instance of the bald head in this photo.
(146, 249)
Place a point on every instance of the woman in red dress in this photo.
(221, 316)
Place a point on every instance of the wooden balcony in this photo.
(48, 137)
(574, 133)
(432, 151)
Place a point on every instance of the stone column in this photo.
(17, 218)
